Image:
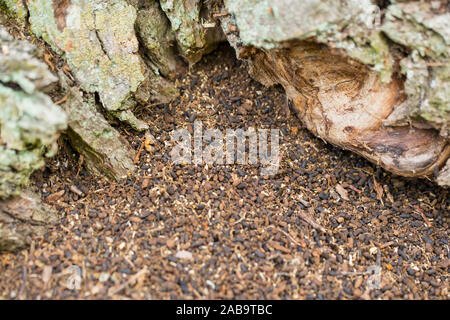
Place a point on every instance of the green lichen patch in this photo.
(154, 30)
(104, 150)
(29, 121)
(416, 26)
(352, 26)
(98, 41)
(194, 39)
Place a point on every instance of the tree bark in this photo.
(368, 79)
(368, 76)
(22, 217)
(29, 127)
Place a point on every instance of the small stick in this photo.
(80, 163)
(314, 224)
(354, 189)
(136, 159)
(290, 237)
(63, 99)
(309, 144)
(427, 222)
(387, 244)
(222, 14)
(434, 64)
(24, 282)
(155, 104)
(240, 220)
(133, 278)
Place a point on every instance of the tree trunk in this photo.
(369, 76)
(29, 127)
(368, 79)
(20, 218)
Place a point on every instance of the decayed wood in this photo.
(343, 102)
(367, 76)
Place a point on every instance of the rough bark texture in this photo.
(369, 80)
(196, 32)
(98, 41)
(29, 127)
(377, 84)
(20, 218)
(342, 102)
(102, 147)
(29, 121)
(369, 76)
(154, 31)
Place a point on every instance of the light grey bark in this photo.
(30, 122)
(399, 51)
(380, 85)
(98, 40)
(156, 35)
(196, 31)
(103, 149)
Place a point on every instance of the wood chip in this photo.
(342, 192)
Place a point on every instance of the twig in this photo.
(309, 144)
(24, 280)
(80, 163)
(136, 159)
(354, 189)
(289, 236)
(63, 99)
(427, 222)
(133, 278)
(155, 104)
(434, 64)
(221, 14)
(240, 220)
(309, 220)
(387, 244)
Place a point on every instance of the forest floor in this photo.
(328, 225)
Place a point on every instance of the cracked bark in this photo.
(22, 217)
(368, 76)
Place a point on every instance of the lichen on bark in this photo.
(154, 30)
(16, 9)
(425, 31)
(29, 121)
(408, 39)
(21, 218)
(30, 124)
(103, 149)
(351, 25)
(195, 30)
(97, 38)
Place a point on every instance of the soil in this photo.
(317, 229)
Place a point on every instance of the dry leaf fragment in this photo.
(46, 274)
(184, 255)
(55, 196)
(342, 192)
(378, 189)
(145, 183)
